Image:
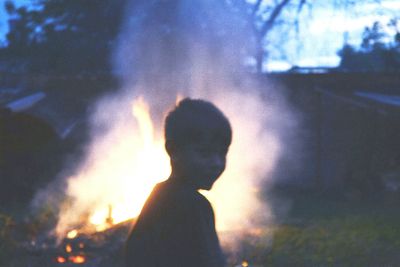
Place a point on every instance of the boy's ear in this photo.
(171, 149)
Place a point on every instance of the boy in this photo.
(176, 226)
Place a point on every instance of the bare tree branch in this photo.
(301, 5)
(269, 23)
(256, 7)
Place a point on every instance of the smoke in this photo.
(167, 50)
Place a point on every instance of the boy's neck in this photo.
(179, 179)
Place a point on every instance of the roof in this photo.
(393, 100)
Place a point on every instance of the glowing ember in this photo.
(77, 259)
(245, 264)
(61, 259)
(68, 248)
(72, 234)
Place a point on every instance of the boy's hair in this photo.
(193, 119)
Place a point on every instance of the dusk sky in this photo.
(322, 32)
(4, 17)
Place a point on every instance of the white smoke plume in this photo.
(167, 50)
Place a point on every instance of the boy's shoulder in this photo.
(180, 195)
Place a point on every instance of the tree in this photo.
(265, 17)
(374, 37)
(22, 26)
(262, 16)
(65, 35)
(378, 51)
(67, 32)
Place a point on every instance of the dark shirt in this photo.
(175, 228)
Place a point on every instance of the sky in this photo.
(322, 32)
(4, 16)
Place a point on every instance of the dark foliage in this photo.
(375, 53)
(29, 156)
(68, 36)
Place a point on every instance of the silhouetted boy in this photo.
(176, 226)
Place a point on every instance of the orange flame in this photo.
(77, 259)
(72, 234)
(144, 175)
(61, 259)
(131, 155)
(125, 163)
(68, 248)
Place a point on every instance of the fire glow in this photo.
(61, 259)
(72, 234)
(72, 250)
(68, 248)
(137, 162)
(76, 259)
(124, 165)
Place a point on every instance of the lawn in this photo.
(318, 230)
(328, 229)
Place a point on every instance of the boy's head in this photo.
(197, 137)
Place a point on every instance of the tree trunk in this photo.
(259, 56)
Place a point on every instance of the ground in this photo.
(325, 229)
(319, 229)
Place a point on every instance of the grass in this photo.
(326, 230)
(318, 230)
(349, 241)
(7, 243)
